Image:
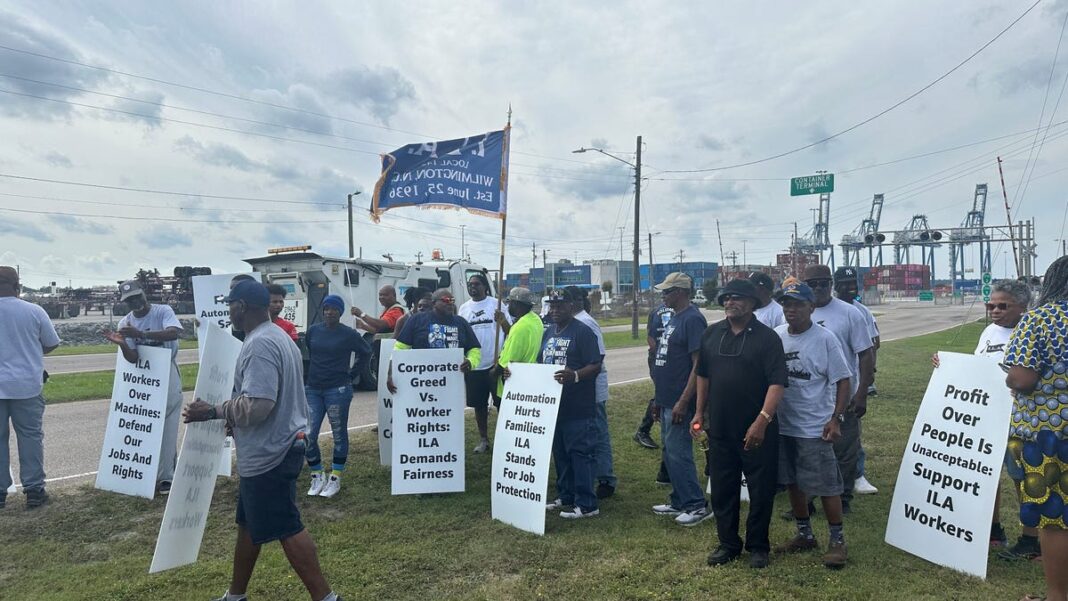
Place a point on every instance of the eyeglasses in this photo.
(818, 283)
(741, 347)
(998, 306)
(448, 300)
(669, 291)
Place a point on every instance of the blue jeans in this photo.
(573, 453)
(26, 416)
(861, 460)
(334, 404)
(686, 493)
(602, 448)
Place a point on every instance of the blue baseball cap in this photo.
(799, 291)
(253, 293)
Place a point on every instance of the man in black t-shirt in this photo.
(741, 375)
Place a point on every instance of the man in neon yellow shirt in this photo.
(523, 339)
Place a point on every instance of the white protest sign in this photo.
(385, 403)
(523, 446)
(208, 294)
(130, 457)
(186, 514)
(428, 421)
(945, 489)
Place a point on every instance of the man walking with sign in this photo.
(741, 374)
(572, 345)
(676, 355)
(810, 416)
(268, 418)
(28, 335)
(153, 325)
(479, 382)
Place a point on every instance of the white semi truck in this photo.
(308, 277)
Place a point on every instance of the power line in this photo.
(166, 219)
(137, 206)
(873, 117)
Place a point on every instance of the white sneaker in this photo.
(578, 514)
(333, 486)
(693, 518)
(554, 504)
(666, 509)
(318, 480)
(862, 487)
(745, 490)
(482, 446)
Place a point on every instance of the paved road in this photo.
(74, 431)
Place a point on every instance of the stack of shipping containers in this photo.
(909, 279)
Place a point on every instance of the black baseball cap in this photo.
(558, 295)
(845, 273)
(759, 278)
(252, 292)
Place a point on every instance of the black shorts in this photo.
(267, 503)
(480, 386)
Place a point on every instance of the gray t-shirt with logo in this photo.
(815, 364)
(269, 367)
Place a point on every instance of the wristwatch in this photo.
(576, 376)
(840, 417)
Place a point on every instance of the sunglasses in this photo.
(448, 300)
(998, 306)
(818, 283)
(669, 291)
(731, 297)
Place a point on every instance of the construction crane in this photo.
(971, 231)
(918, 232)
(818, 239)
(865, 236)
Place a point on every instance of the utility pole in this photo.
(419, 257)
(650, 258)
(621, 230)
(681, 256)
(722, 262)
(745, 261)
(636, 278)
(793, 253)
(463, 246)
(1008, 219)
(352, 247)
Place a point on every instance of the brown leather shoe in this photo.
(796, 545)
(836, 555)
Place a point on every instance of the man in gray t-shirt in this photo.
(268, 416)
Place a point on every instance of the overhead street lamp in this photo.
(636, 278)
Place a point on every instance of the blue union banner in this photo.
(466, 173)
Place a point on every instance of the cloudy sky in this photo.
(255, 120)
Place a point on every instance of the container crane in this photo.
(971, 231)
(866, 236)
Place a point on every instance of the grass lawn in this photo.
(623, 339)
(90, 545)
(64, 388)
(89, 349)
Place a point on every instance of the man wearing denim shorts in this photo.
(809, 415)
(268, 416)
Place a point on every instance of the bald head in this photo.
(9, 281)
(387, 296)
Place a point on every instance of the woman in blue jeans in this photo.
(331, 345)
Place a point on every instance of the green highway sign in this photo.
(987, 278)
(926, 295)
(986, 292)
(822, 183)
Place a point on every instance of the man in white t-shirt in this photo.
(153, 325)
(604, 470)
(847, 323)
(847, 289)
(480, 382)
(810, 417)
(768, 312)
(28, 336)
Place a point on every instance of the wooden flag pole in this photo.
(504, 229)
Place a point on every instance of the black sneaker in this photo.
(758, 559)
(722, 555)
(36, 498)
(643, 438)
(605, 490)
(164, 487)
(1026, 549)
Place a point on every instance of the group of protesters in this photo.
(775, 394)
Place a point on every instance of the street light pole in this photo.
(635, 284)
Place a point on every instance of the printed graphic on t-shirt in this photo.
(994, 348)
(795, 366)
(479, 317)
(662, 345)
(443, 336)
(555, 352)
